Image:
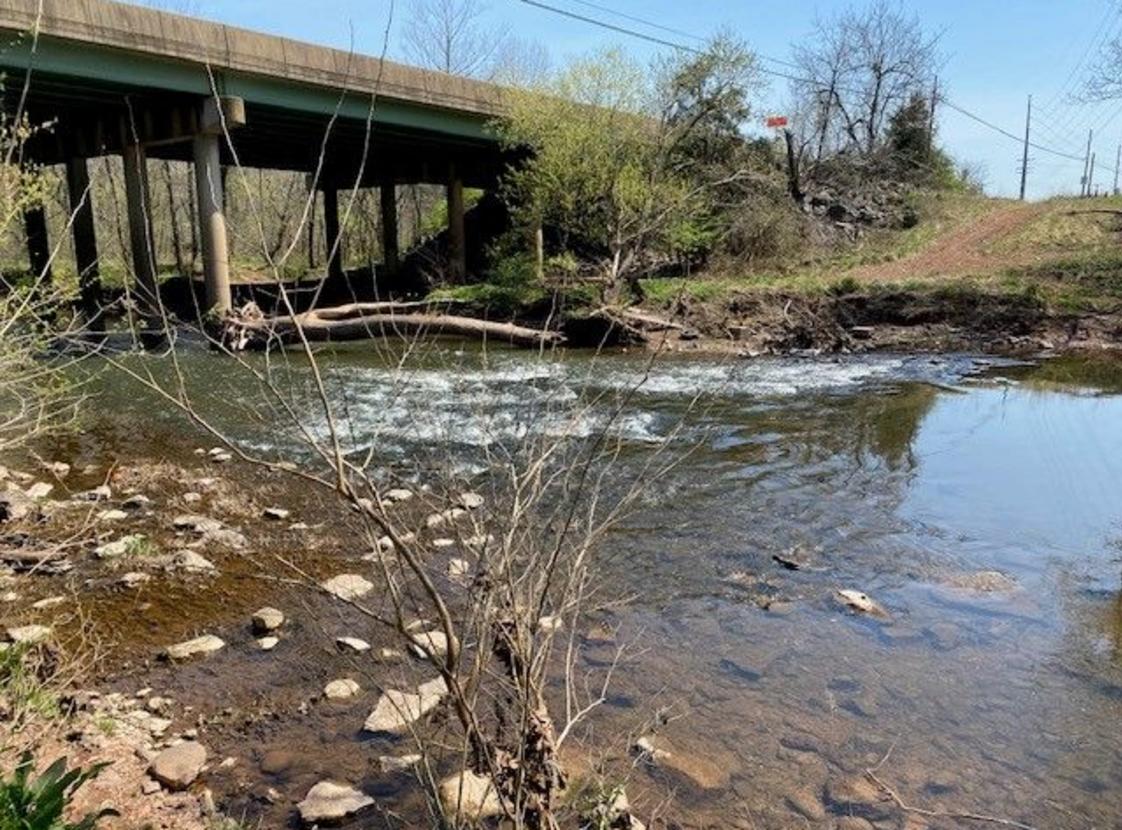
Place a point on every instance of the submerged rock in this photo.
(328, 801)
(862, 603)
(178, 766)
(703, 770)
(348, 586)
(983, 582)
(396, 710)
(207, 644)
(469, 796)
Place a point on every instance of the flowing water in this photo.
(903, 477)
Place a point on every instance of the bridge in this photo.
(141, 83)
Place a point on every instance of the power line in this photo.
(641, 21)
(794, 78)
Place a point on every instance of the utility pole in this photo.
(1091, 177)
(1085, 190)
(1024, 157)
(1117, 164)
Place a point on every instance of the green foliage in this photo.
(606, 147)
(40, 803)
(23, 688)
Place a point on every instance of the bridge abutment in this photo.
(213, 239)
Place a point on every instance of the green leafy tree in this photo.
(610, 153)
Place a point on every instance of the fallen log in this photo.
(356, 323)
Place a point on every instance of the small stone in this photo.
(137, 501)
(58, 468)
(861, 602)
(548, 625)
(385, 544)
(196, 523)
(267, 619)
(435, 520)
(102, 493)
(398, 763)
(158, 705)
(126, 544)
(112, 516)
(459, 568)
(178, 766)
(207, 644)
(192, 498)
(278, 514)
(226, 538)
(39, 490)
(228, 763)
(341, 689)
(398, 494)
(134, 579)
(390, 655)
(149, 786)
(29, 634)
(188, 560)
(298, 526)
(471, 501)
(469, 796)
(396, 710)
(352, 644)
(430, 644)
(857, 795)
(9, 596)
(48, 602)
(348, 586)
(806, 804)
(268, 643)
(328, 802)
(443, 542)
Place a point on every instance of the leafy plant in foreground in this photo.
(40, 804)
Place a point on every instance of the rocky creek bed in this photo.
(895, 590)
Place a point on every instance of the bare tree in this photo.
(450, 35)
(859, 68)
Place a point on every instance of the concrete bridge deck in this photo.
(121, 79)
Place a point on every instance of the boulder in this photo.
(469, 796)
(341, 689)
(266, 620)
(178, 766)
(328, 802)
(207, 644)
(348, 586)
(396, 710)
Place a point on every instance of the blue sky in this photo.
(997, 52)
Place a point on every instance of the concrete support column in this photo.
(457, 245)
(212, 223)
(390, 253)
(142, 241)
(85, 235)
(38, 246)
(332, 230)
